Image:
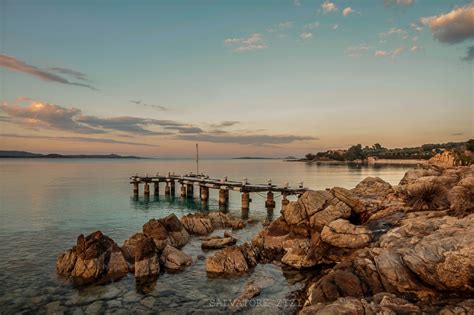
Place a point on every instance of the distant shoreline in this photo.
(29, 155)
(376, 162)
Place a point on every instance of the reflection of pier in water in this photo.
(189, 181)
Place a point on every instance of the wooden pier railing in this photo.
(205, 183)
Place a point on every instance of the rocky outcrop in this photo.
(166, 231)
(95, 258)
(222, 220)
(174, 259)
(423, 257)
(203, 224)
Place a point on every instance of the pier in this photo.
(223, 185)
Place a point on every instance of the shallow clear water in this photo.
(45, 204)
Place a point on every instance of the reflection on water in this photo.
(46, 204)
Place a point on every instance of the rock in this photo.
(229, 260)
(219, 242)
(174, 259)
(250, 291)
(375, 194)
(55, 308)
(166, 231)
(350, 199)
(329, 214)
(342, 233)
(225, 220)
(295, 213)
(197, 224)
(156, 230)
(228, 234)
(146, 259)
(95, 258)
(129, 246)
(424, 170)
(461, 197)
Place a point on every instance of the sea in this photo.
(46, 203)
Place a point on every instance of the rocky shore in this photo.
(374, 249)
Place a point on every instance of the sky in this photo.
(241, 78)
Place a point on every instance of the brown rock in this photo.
(197, 224)
(146, 259)
(219, 242)
(222, 220)
(174, 259)
(250, 291)
(329, 214)
(156, 230)
(177, 234)
(229, 260)
(342, 233)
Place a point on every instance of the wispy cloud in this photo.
(394, 31)
(452, 27)
(138, 102)
(358, 50)
(75, 74)
(399, 2)
(469, 54)
(347, 11)
(393, 53)
(283, 26)
(13, 64)
(252, 43)
(328, 6)
(246, 139)
(76, 139)
(227, 123)
(306, 35)
(312, 25)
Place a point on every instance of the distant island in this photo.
(24, 154)
(253, 158)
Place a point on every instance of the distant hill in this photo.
(24, 154)
(252, 158)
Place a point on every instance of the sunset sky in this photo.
(266, 78)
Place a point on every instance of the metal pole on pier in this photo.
(197, 159)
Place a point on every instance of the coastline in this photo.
(358, 162)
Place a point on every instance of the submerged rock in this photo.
(250, 291)
(174, 259)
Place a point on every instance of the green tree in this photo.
(470, 145)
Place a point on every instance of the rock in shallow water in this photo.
(218, 242)
(174, 259)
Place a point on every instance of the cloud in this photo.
(13, 64)
(358, 50)
(347, 11)
(280, 27)
(415, 48)
(252, 43)
(138, 102)
(394, 53)
(245, 139)
(312, 26)
(77, 139)
(328, 6)
(417, 27)
(453, 27)
(393, 31)
(306, 35)
(227, 123)
(48, 116)
(297, 3)
(335, 26)
(75, 74)
(399, 2)
(469, 54)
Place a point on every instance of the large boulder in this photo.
(341, 233)
(222, 220)
(232, 260)
(95, 259)
(166, 231)
(174, 259)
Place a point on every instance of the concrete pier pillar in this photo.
(157, 188)
(189, 190)
(223, 197)
(270, 202)
(183, 190)
(172, 188)
(204, 193)
(167, 189)
(246, 200)
(136, 185)
(147, 189)
(284, 202)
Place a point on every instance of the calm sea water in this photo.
(45, 204)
